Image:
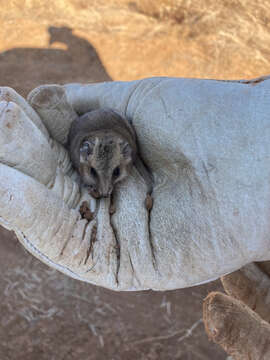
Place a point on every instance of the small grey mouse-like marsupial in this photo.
(103, 148)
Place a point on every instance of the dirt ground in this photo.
(44, 314)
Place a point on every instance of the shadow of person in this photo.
(25, 68)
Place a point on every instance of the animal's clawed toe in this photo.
(149, 202)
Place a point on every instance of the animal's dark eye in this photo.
(116, 172)
(93, 172)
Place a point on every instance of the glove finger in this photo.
(9, 95)
(24, 147)
(234, 326)
(50, 102)
(115, 95)
(252, 286)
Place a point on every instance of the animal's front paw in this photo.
(149, 202)
(85, 211)
(93, 192)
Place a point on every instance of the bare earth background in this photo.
(44, 314)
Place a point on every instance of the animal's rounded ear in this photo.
(86, 149)
(126, 150)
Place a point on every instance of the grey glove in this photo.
(207, 145)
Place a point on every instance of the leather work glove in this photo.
(207, 144)
(239, 321)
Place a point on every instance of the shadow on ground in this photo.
(25, 68)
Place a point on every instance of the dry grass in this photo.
(139, 38)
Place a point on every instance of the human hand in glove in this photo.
(207, 145)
